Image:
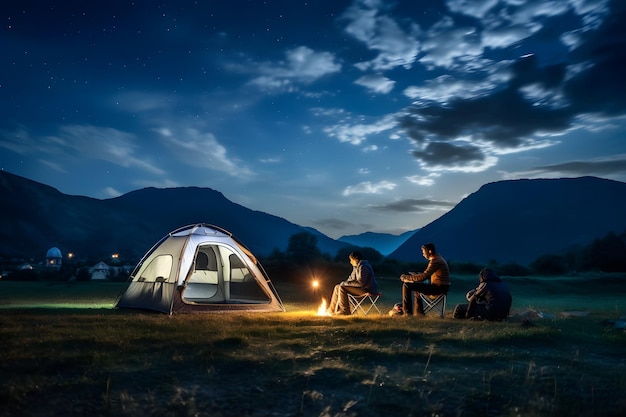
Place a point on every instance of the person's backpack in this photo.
(459, 311)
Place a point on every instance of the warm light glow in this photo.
(321, 311)
(315, 284)
(115, 256)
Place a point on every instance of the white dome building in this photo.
(54, 258)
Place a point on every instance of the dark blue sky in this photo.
(346, 116)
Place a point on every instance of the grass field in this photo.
(67, 352)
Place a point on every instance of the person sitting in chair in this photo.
(361, 281)
(491, 300)
(413, 283)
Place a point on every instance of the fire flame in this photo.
(321, 311)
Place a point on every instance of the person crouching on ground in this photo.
(413, 283)
(361, 281)
(491, 300)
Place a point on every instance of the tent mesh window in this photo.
(243, 286)
(158, 270)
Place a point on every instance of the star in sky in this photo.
(345, 116)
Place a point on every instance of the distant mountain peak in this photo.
(520, 220)
(384, 243)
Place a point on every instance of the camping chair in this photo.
(435, 303)
(363, 303)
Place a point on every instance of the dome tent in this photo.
(200, 268)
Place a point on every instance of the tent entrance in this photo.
(219, 275)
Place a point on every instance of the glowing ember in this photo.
(315, 284)
(321, 311)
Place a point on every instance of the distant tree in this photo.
(276, 256)
(83, 274)
(573, 258)
(342, 253)
(302, 248)
(390, 268)
(550, 265)
(465, 268)
(513, 269)
(372, 255)
(607, 254)
(23, 275)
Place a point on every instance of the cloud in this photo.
(376, 83)
(337, 224)
(475, 8)
(461, 121)
(356, 133)
(482, 108)
(156, 183)
(504, 24)
(75, 143)
(368, 187)
(445, 156)
(202, 150)
(605, 167)
(446, 88)
(302, 66)
(598, 86)
(22, 142)
(447, 45)
(395, 46)
(274, 160)
(55, 166)
(526, 105)
(111, 192)
(106, 144)
(504, 120)
(416, 205)
(465, 134)
(422, 180)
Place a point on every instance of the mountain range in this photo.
(507, 221)
(36, 217)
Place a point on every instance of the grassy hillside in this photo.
(66, 352)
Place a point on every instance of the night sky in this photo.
(345, 116)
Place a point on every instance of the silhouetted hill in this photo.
(507, 221)
(37, 217)
(521, 220)
(384, 243)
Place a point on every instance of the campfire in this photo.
(321, 311)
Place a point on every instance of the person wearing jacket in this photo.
(413, 283)
(491, 300)
(361, 281)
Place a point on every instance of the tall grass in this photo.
(64, 361)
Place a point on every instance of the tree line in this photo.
(605, 254)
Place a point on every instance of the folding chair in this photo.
(435, 303)
(364, 303)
